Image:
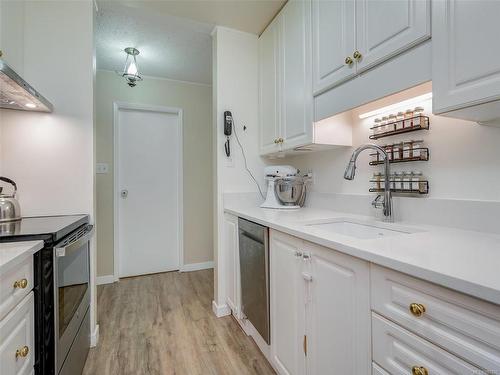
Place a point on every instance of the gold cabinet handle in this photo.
(357, 55)
(23, 352)
(22, 284)
(349, 61)
(417, 309)
(419, 370)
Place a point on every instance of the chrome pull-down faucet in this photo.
(350, 172)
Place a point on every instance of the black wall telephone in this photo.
(228, 129)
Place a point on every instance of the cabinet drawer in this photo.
(465, 326)
(398, 351)
(377, 370)
(16, 332)
(15, 284)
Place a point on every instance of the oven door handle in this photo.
(76, 244)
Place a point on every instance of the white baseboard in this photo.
(106, 279)
(220, 310)
(197, 266)
(94, 337)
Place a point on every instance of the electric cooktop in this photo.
(47, 228)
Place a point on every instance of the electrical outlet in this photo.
(102, 168)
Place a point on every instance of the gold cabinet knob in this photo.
(417, 309)
(281, 140)
(1, 53)
(276, 141)
(22, 284)
(23, 352)
(348, 60)
(419, 370)
(357, 55)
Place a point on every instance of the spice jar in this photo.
(408, 123)
(417, 113)
(406, 181)
(388, 149)
(396, 151)
(392, 122)
(416, 149)
(376, 127)
(377, 178)
(400, 120)
(384, 122)
(406, 150)
(416, 177)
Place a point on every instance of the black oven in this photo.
(72, 301)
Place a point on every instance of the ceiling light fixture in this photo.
(401, 105)
(130, 71)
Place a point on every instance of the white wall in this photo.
(235, 85)
(50, 156)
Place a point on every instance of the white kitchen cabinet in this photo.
(350, 36)
(17, 339)
(399, 352)
(333, 32)
(232, 263)
(465, 70)
(12, 34)
(338, 313)
(269, 102)
(385, 28)
(287, 304)
(320, 309)
(296, 86)
(15, 284)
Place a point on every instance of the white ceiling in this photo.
(173, 36)
(170, 47)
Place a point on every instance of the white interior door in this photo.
(148, 152)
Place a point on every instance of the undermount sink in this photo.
(360, 229)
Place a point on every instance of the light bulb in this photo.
(132, 69)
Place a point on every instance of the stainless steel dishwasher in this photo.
(254, 271)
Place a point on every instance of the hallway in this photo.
(163, 324)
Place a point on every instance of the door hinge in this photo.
(305, 344)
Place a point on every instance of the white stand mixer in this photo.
(273, 173)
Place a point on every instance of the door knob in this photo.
(124, 193)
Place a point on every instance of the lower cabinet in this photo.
(232, 263)
(17, 339)
(320, 309)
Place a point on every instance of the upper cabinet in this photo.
(12, 34)
(465, 64)
(334, 41)
(350, 36)
(285, 86)
(285, 80)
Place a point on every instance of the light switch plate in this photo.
(102, 168)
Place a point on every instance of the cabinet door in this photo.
(385, 28)
(232, 262)
(338, 314)
(269, 113)
(287, 304)
(333, 35)
(12, 34)
(466, 52)
(295, 46)
(17, 352)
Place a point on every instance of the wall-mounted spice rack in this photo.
(401, 126)
(404, 183)
(403, 152)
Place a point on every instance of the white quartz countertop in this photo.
(13, 253)
(465, 261)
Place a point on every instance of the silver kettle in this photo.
(9, 205)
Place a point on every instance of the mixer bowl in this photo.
(290, 191)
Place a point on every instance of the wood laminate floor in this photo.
(163, 324)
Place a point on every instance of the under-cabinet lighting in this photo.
(30, 105)
(405, 104)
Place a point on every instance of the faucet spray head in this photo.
(350, 170)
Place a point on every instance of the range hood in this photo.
(16, 93)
